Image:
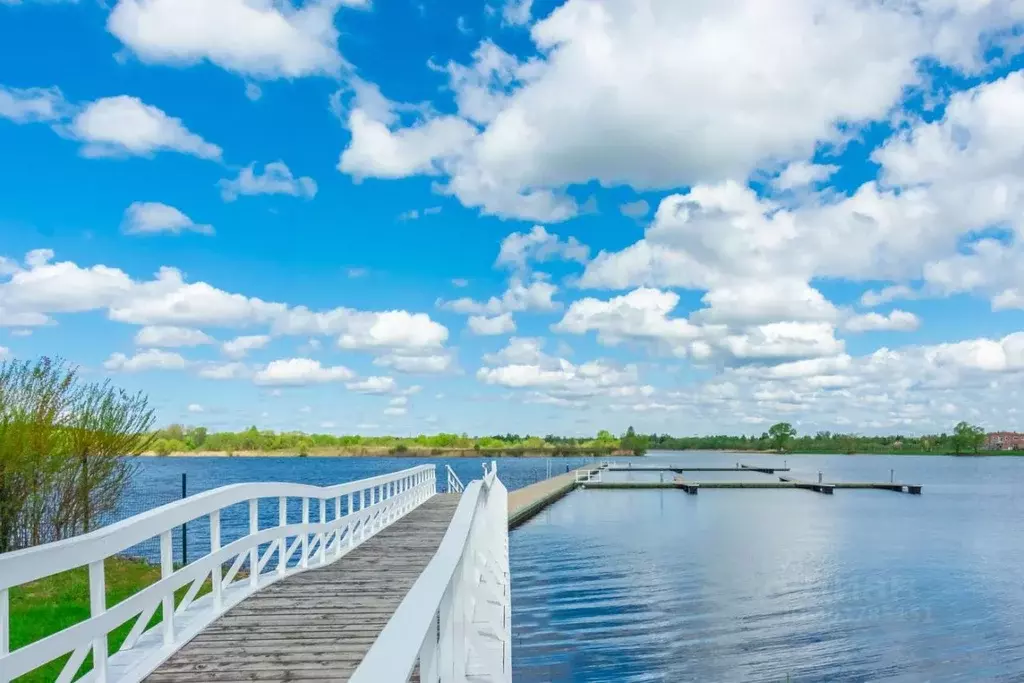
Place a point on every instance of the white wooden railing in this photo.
(588, 475)
(454, 625)
(259, 558)
(454, 483)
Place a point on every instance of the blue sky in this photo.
(405, 217)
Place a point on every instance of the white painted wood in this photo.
(465, 588)
(97, 606)
(144, 650)
(218, 596)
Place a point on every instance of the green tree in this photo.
(631, 441)
(967, 437)
(780, 435)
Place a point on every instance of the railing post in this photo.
(166, 569)
(218, 598)
(323, 534)
(429, 660)
(304, 561)
(282, 520)
(5, 625)
(254, 552)
(337, 527)
(97, 606)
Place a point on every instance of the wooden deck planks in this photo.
(317, 625)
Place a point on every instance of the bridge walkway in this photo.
(316, 625)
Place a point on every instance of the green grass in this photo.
(44, 607)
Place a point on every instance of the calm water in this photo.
(735, 585)
(763, 585)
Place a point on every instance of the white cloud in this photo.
(4, 352)
(519, 248)
(499, 324)
(354, 273)
(638, 209)
(196, 408)
(126, 126)
(373, 385)
(784, 341)
(417, 365)
(460, 282)
(395, 411)
(800, 174)
(641, 315)
(897, 320)
(519, 297)
(225, 371)
(171, 337)
(393, 330)
(277, 178)
(239, 347)
(30, 105)
(872, 298)
(153, 359)
(398, 401)
(253, 91)
(616, 92)
(378, 152)
(151, 218)
(300, 372)
(516, 12)
(256, 39)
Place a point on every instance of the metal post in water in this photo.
(819, 477)
(184, 525)
(892, 476)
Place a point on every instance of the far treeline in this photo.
(180, 439)
(781, 437)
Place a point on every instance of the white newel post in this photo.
(322, 555)
(254, 552)
(304, 560)
(97, 606)
(282, 521)
(166, 569)
(218, 597)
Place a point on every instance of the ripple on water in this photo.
(761, 585)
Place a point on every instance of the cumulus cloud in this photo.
(152, 218)
(126, 126)
(535, 296)
(661, 80)
(153, 359)
(31, 105)
(257, 39)
(277, 178)
(171, 337)
(430, 364)
(897, 321)
(519, 248)
(373, 385)
(499, 324)
(239, 347)
(300, 372)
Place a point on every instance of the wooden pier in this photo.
(317, 625)
(525, 503)
(693, 486)
(680, 470)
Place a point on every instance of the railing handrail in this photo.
(21, 566)
(453, 481)
(394, 653)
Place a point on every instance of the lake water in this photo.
(738, 585)
(748, 585)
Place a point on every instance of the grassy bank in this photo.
(44, 607)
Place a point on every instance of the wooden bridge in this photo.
(381, 580)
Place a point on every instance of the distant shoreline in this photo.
(383, 452)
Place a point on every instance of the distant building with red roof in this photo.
(1004, 441)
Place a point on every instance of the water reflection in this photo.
(760, 585)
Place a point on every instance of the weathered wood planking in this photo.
(317, 625)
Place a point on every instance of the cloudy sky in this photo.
(406, 216)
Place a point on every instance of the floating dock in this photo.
(526, 502)
(680, 470)
(786, 483)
